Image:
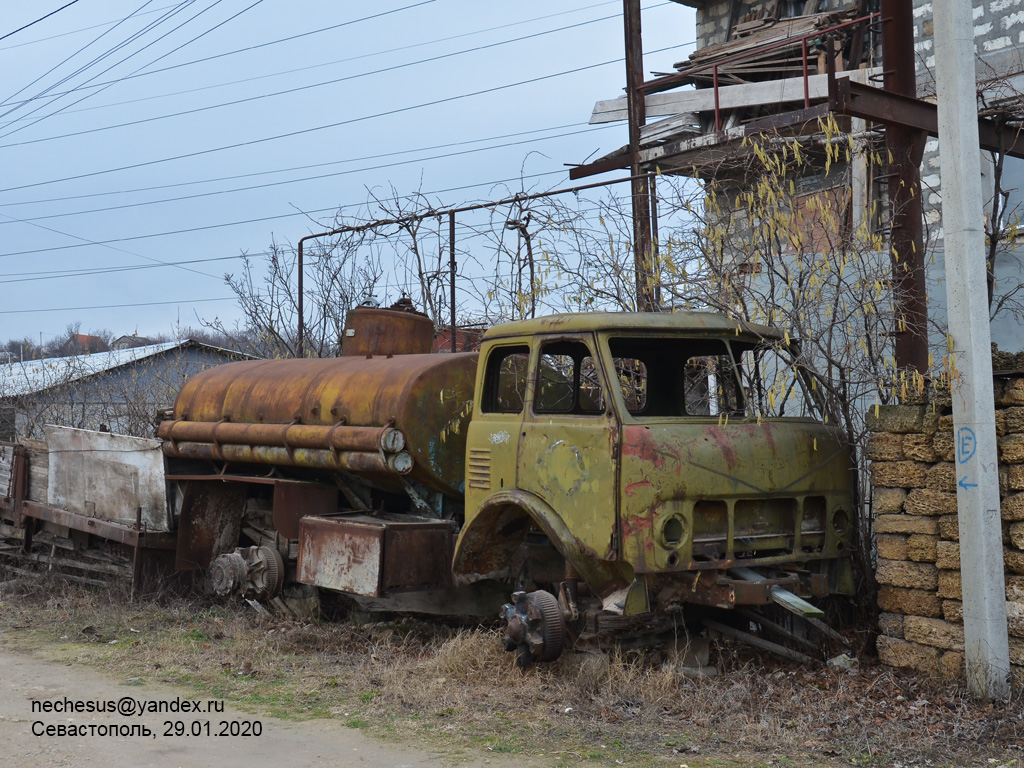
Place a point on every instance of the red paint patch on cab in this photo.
(631, 489)
(636, 525)
(637, 442)
(724, 444)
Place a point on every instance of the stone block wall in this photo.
(913, 480)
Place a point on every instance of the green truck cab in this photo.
(633, 464)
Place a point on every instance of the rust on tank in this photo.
(327, 413)
(398, 330)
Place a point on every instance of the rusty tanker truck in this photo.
(614, 473)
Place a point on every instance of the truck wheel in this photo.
(535, 627)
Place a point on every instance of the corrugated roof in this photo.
(18, 379)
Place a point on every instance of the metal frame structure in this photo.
(908, 120)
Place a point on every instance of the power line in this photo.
(303, 131)
(53, 274)
(58, 274)
(95, 59)
(23, 277)
(299, 88)
(114, 306)
(87, 241)
(76, 31)
(226, 224)
(140, 50)
(136, 74)
(136, 190)
(302, 69)
(41, 18)
(325, 175)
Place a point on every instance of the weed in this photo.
(455, 689)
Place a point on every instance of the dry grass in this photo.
(454, 689)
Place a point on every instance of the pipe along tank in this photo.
(384, 417)
(609, 509)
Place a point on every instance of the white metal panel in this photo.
(108, 476)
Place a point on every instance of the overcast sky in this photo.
(139, 134)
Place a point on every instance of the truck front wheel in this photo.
(535, 627)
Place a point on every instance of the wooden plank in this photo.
(7, 460)
(38, 574)
(10, 532)
(826, 630)
(80, 565)
(38, 483)
(795, 604)
(784, 31)
(670, 126)
(673, 103)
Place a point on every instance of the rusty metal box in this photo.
(374, 556)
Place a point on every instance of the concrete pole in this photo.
(977, 470)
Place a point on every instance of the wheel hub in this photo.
(535, 627)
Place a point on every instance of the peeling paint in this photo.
(631, 489)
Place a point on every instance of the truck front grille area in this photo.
(749, 530)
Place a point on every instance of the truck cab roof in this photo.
(695, 323)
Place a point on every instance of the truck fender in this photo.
(498, 527)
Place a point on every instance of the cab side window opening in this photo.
(568, 380)
(505, 380)
(676, 377)
(776, 387)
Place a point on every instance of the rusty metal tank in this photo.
(398, 330)
(381, 416)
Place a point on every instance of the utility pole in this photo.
(977, 468)
(643, 253)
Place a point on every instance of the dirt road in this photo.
(32, 736)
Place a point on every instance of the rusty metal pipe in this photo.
(363, 462)
(451, 270)
(906, 241)
(340, 437)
